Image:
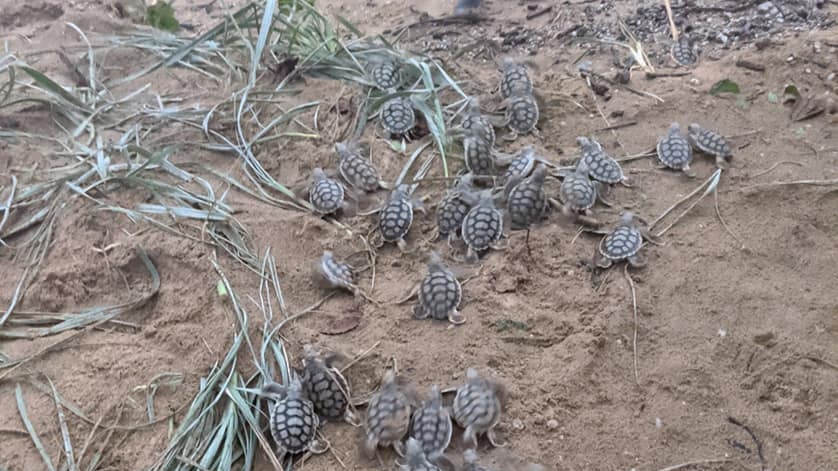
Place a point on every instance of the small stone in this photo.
(552, 424)
(517, 424)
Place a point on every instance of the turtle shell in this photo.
(293, 423)
(386, 75)
(482, 226)
(526, 202)
(431, 425)
(395, 218)
(451, 213)
(708, 141)
(337, 273)
(388, 414)
(515, 79)
(476, 404)
(522, 113)
(440, 292)
(674, 149)
(521, 166)
(682, 52)
(601, 166)
(356, 170)
(325, 194)
(478, 156)
(578, 191)
(621, 243)
(479, 126)
(326, 388)
(397, 116)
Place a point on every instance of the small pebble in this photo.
(552, 424)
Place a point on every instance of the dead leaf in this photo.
(806, 108)
(342, 325)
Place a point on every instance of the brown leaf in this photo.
(342, 325)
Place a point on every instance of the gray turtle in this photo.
(396, 216)
(356, 170)
(388, 417)
(578, 193)
(293, 422)
(454, 207)
(416, 459)
(336, 273)
(526, 202)
(521, 115)
(674, 150)
(431, 425)
(387, 75)
(326, 387)
(521, 164)
(482, 227)
(601, 166)
(478, 157)
(397, 116)
(710, 142)
(440, 293)
(477, 408)
(682, 52)
(622, 243)
(514, 79)
(325, 194)
(476, 124)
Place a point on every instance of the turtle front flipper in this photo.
(419, 312)
(494, 439)
(318, 446)
(637, 261)
(370, 446)
(456, 318)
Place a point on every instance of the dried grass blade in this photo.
(21, 407)
(65, 432)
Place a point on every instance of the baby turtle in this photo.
(478, 407)
(325, 194)
(355, 169)
(578, 192)
(454, 207)
(397, 116)
(674, 150)
(482, 227)
(431, 425)
(526, 202)
(387, 75)
(388, 417)
(478, 157)
(521, 114)
(293, 422)
(416, 459)
(326, 387)
(514, 79)
(396, 216)
(336, 273)
(682, 52)
(623, 243)
(601, 166)
(710, 142)
(440, 293)
(521, 165)
(476, 124)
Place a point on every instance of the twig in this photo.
(538, 13)
(794, 182)
(750, 65)
(634, 307)
(616, 126)
(360, 357)
(721, 219)
(693, 463)
(654, 75)
(753, 437)
(771, 169)
(710, 183)
(672, 29)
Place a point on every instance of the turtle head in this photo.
(627, 218)
(295, 387)
(318, 174)
(473, 106)
(539, 174)
(472, 374)
(582, 168)
(435, 262)
(415, 454)
(465, 182)
(435, 399)
(674, 128)
(694, 128)
(509, 62)
(583, 141)
(311, 354)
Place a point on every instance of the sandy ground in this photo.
(740, 323)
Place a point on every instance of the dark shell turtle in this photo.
(397, 115)
(478, 407)
(431, 425)
(710, 142)
(326, 387)
(293, 422)
(674, 150)
(396, 216)
(482, 227)
(526, 202)
(388, 417)
(454, 207)
(682, 52)
(601, 166)
(623, 243)
(521, 114)
(387, 75)
(476, 124)
(440, 293)
(355, 169)
(578, 192)
(478, 157)
(325, 195)
(514, 79)
(416, 459)
(336, 273)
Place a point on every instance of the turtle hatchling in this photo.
(682, 52)
(355, 169)
(521, 164)
(478, 157)
(514, 79)
(416, 459)
(388, 417)
(387, 75)
(526, 202)
(601, 166)
(710, 142)
(674, 150)
(396, 216)
(476, 124)
(578, 193)
(454, 207)
(336, 273)
(439, 293)
(521, 114)
(478, 407)
(293, 421)
(482, 227)
(326, 387)
(431, 425)
(397, 116)
(325, 194)
(623, 243)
